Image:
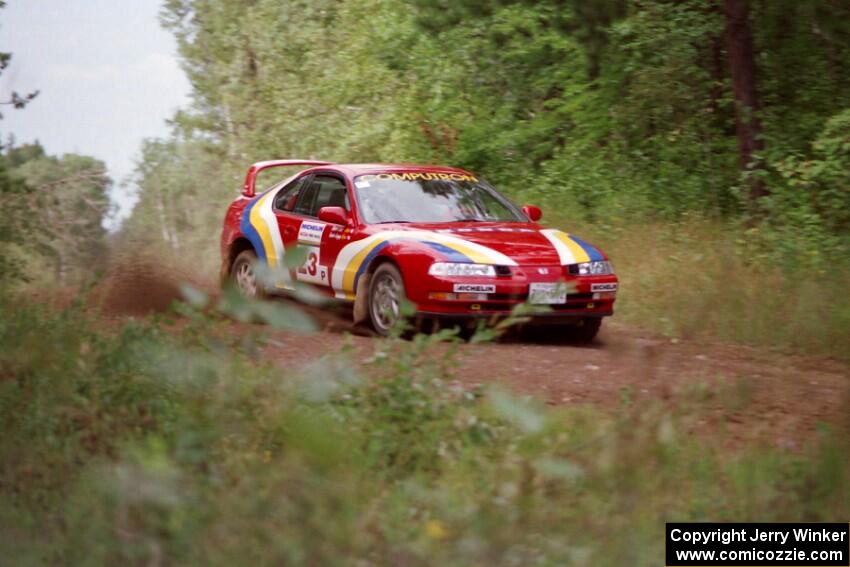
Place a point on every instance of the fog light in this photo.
(448, 296)
(442, 296)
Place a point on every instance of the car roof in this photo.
(354, 169)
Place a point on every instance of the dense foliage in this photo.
(14, 227)
(53, 210)
(601, 108)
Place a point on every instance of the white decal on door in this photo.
(311, 271)
(311, 232)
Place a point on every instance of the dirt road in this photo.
(749, 394)
(743, 393)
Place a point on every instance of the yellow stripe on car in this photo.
(578, 252)
(569, 251)
(263, 230)
(355, 263)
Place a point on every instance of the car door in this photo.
(288, 221)
(335, 237)
(321, 240)
(284, 209)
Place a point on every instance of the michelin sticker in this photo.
(311, 232)
(474, 288)
(603, 287)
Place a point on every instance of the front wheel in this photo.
(586, 331)
(386, 295)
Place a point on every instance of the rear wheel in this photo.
(243, 275)
(386, 296)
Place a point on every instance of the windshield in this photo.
(430, 197)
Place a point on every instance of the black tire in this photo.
(586, 331)
(243, 276)
(386, 296)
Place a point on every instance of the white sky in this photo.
(108, 76)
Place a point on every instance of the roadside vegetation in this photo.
(149, 444)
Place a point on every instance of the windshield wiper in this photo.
(393, 222)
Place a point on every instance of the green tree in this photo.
(642, 108)
(64, 204)
(14, 223)
(184, 186)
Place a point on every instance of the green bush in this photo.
(813, 191)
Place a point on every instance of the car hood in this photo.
(526, 244)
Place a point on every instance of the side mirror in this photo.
(333, 215)
(533, 213)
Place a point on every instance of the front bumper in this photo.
(499, 295)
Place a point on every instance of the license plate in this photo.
(547, 293)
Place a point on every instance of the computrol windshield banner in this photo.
(759, 545)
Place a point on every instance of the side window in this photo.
(324, 191)
(287, 197)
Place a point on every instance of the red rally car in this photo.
(440, 237)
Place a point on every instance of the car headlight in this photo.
(455, 269)
(595, 269)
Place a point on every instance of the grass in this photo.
(145, 446)
(705, 278)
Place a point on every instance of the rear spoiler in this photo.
(248, 188)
